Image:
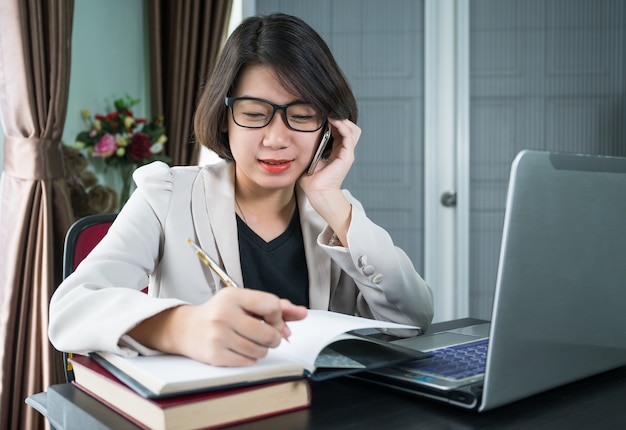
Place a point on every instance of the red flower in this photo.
(139, 147)
(136, 137)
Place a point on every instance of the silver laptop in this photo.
(559, 312)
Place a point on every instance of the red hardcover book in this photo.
(191, 411)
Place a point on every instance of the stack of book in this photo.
(174, 392)
(192, 410)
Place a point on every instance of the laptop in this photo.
(559, 311)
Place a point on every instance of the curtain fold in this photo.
(185, 39)
(35, 210)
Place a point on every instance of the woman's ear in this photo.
(224, 123)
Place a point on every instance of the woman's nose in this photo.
(277, 132)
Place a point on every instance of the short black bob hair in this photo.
(295, 52)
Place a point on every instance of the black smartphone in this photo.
(320, 152)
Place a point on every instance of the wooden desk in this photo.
(595, 403)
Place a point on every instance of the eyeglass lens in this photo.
(257, 113)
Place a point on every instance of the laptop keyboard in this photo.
(456, 362)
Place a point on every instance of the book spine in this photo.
(111, 406)
(300, 421)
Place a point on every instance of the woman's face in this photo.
(275, 156)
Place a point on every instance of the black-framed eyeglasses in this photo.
(251, 112)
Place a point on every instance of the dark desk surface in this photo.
(598, 402)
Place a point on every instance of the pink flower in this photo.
(139, 147)
(105, 147)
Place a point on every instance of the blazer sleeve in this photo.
(102, 300)
(389, 287)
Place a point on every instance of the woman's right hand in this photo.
(236, 327)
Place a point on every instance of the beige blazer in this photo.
(147, 244)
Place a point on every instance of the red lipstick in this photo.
(275, 166)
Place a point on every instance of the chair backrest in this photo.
(80, 239)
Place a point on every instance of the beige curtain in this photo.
(35, 212)
(185, 39)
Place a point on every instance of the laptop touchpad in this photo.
(434, 341)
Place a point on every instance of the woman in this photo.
(293, 240)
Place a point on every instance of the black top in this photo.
(278, 266)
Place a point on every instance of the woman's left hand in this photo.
(323, 187)
(330, 173)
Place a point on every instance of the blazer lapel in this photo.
(219, 231)
(216, 228)
(317, 261)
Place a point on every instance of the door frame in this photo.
(446, 155)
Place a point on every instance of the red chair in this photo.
(80, 239)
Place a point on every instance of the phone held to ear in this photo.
(319, 152)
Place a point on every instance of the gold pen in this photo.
(204, 257)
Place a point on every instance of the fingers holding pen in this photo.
(273, 311)
(224, 346)
(291, 312)
(236, 327)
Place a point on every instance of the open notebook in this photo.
(558, 311)
(323, 345)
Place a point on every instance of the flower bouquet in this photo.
(123, 141)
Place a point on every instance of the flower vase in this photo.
(126, 170)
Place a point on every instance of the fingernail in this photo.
(286, 331)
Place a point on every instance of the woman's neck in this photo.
(266, 212)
